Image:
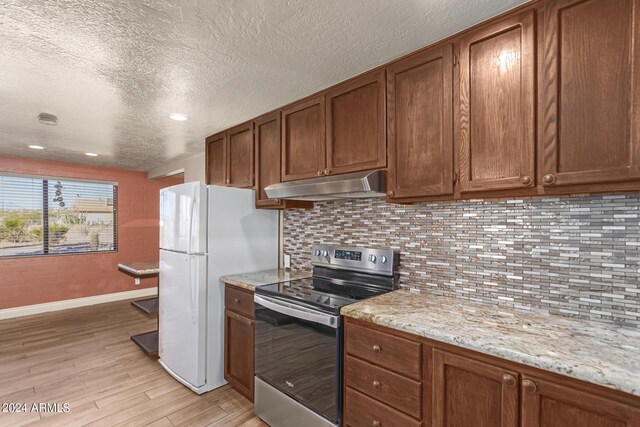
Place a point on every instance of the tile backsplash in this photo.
(573, 256)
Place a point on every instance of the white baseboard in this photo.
(28, 310)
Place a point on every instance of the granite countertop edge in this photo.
(140, 268)
(595, 369)
(252, 280)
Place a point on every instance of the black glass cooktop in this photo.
(328, 295)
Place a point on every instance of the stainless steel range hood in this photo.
(356, 185)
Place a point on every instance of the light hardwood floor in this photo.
(84, 357)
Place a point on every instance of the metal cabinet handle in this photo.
(390, 193)
(526, 180)
(327, 171)
(376, 384)
(320, 173)
(548, 179)
(376, 348)
(509, 379)
(376, 423)
(236, 300)
(529, 386)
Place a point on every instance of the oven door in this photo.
(298, 353)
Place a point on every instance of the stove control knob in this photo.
(383, 259)
(325, 253)
(317, 252)
(372, 258)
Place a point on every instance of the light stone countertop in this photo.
(144, 268)
(586, 350)
(260, 278)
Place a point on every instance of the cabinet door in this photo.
(303, 145)
(420, 124)
(591, 93)
(468, 393)
(238, 352)
(240, 156)
(216, 164)
(546, 404)
(268, 163)
(356, 139)
(496, 115)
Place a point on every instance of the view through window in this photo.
(41, 216)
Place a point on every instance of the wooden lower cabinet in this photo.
(462, 388)
(361, 410)
(549, 404)
(382, 377)
(385, 386)
(239, 339)
(469, 393)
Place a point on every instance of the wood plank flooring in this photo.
(85, 357)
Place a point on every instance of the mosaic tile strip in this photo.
(572, 256)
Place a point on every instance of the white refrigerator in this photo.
(205, 232)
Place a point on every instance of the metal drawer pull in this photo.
(376, 384)
(376, 423)
(236, 300)
(376, 348)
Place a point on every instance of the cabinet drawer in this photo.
(393, 389)
(361, 410)
(238, 301)
(391, 352)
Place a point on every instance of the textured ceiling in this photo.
(112, 70)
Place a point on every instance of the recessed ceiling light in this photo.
(179, 117)
(48, 119)
(37, 147)
(91, 154)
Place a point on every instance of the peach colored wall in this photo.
(35, 280)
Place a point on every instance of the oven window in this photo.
(299, 358)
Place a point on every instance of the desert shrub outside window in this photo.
(53, 216)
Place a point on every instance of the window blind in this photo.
(43, 216)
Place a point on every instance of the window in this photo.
(43, 216)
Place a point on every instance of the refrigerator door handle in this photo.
(194, 291)
(191, 212)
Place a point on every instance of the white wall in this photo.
(193, 168)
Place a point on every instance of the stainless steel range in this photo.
(299, 334)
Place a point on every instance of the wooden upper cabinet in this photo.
(420, 124)
(547, 404)
(268, 163)
(355, 122)
(496, 116)
(591, 91)
(303, 139)
(469, 393)
(216, 163)
(240, 156)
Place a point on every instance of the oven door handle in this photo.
(297, 312)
